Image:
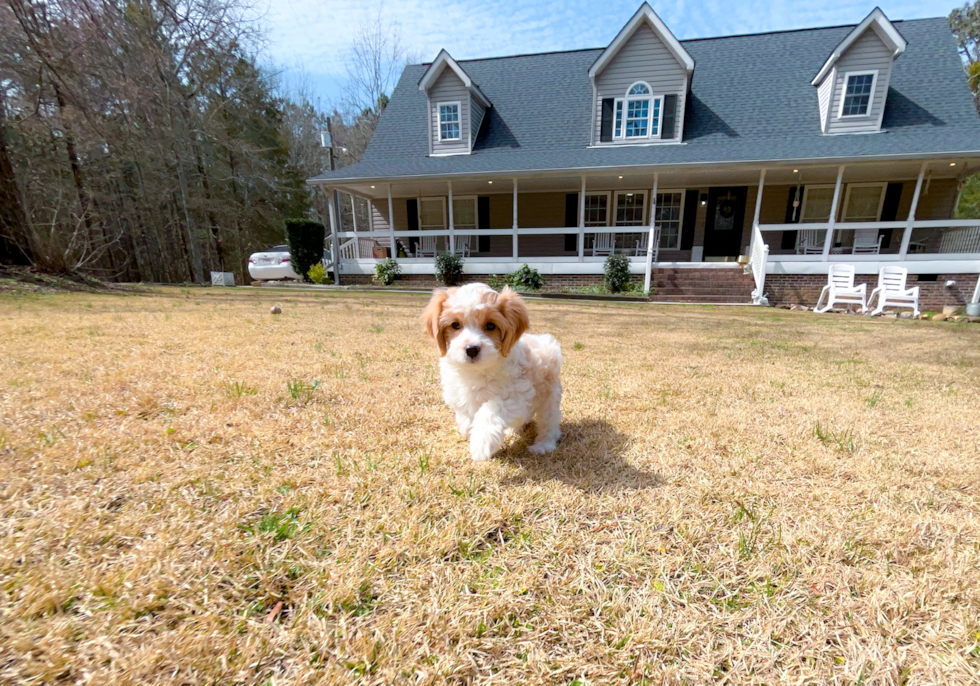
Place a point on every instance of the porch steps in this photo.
(702, 286)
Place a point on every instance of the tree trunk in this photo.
(14, 246)
(76, 170)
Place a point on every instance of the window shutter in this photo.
(412, 209)
(668, 128)
(792, 217)
(606, 127)
(571, 220)
(690, 219)
(889, 211)
(483, 222)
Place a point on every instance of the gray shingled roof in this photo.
(751, 100)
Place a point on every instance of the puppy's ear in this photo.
(514, 313)
(431, 315)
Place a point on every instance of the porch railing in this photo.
(921, 239)
(358, 245)
(758, 256)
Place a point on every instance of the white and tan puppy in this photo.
(494, 375)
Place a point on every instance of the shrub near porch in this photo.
(755, 495)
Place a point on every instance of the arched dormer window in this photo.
(638, 113)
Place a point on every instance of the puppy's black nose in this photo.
(472, 351)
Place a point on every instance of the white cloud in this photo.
(312, 36)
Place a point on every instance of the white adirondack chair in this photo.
(641, 245)
(604, 244)
(426, 247)
(840, 290)
(464, 244)
(866, 242)
(809, 242)
(891, 291)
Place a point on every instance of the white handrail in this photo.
(347, 249)
(917, 224)
(758, 256)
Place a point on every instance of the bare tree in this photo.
(373, 65)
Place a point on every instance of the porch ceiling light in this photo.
(372, 186)
(952, 164)
(490, 182)
(620, 177)
(796, 171)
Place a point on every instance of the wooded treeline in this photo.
(140, 140)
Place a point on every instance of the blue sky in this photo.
(309, 38)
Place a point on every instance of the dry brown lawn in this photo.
(193, 491)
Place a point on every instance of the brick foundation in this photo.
(552, 282)
(804, 289)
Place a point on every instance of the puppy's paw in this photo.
(542, 448)
(482, 449)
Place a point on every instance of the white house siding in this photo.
(823, 99)
(644, 57)
(867, 53)
(379, 211)
(477, 111)
(449, 88)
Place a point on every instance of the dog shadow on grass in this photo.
(589, 457)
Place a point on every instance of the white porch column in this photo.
(391, 224)
(907, 236)
(452, 226)
(581, 222)
(653, 221)
(515, 219)
(353, 218)
(758, 207)
(333, 211)
(831, 223)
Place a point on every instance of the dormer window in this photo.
(642, 113)
(858, 93)
(448, 121)
(852, 85)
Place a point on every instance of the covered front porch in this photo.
(783, 219)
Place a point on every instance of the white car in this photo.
(275, 264)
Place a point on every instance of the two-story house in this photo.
(797, 149)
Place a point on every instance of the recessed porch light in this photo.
(490, 182)
(620, 177)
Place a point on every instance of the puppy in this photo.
(494, 375)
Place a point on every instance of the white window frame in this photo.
(680, 220)
(609, 208)
(871, 95)
(847, 198)
(458, 122)
(622, 105)
(646, 209)
(442, 200)
(476, 212)
(806, 192)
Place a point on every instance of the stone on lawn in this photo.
(275, 310)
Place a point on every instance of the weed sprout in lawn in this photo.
(302, 391)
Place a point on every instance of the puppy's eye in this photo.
(455, 325)
(491, 326)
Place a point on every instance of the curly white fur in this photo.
(496, 377)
